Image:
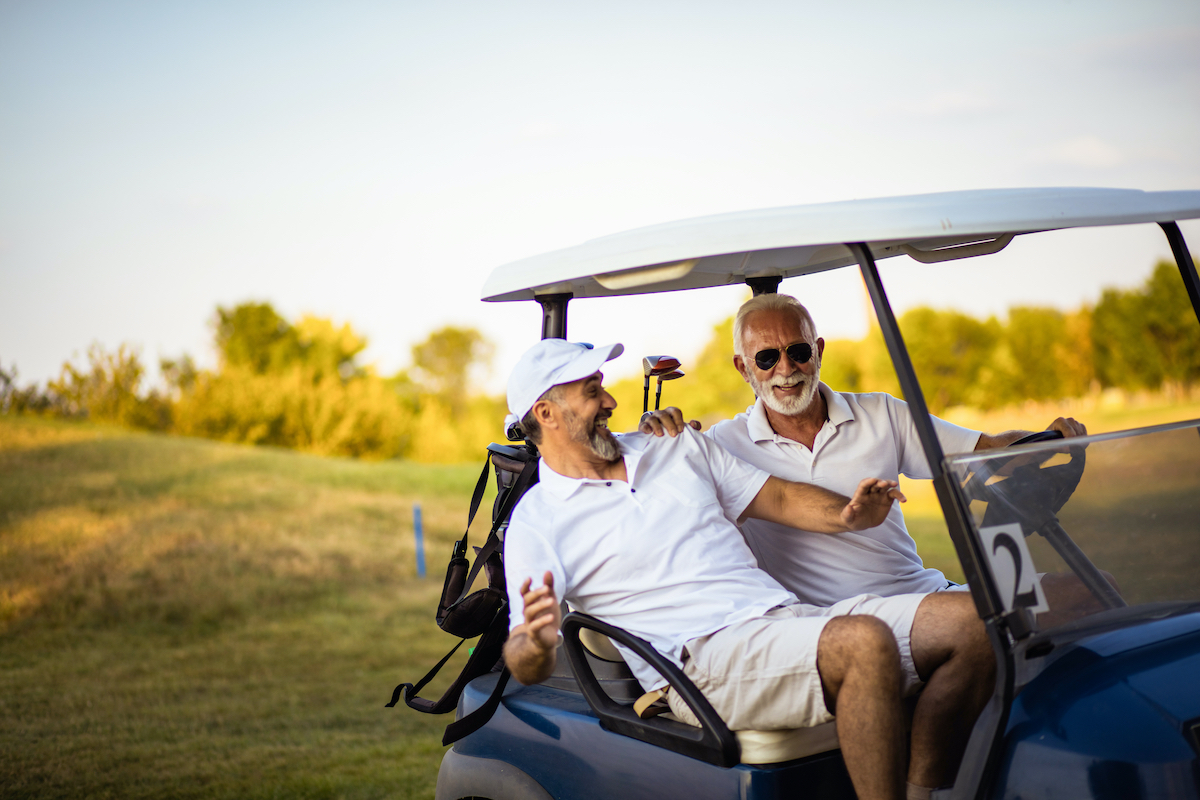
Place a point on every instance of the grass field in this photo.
(182, 618)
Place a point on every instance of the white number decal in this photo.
(1012, 566)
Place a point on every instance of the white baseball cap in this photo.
(549, 363)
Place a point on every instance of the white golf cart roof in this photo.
(798, 240)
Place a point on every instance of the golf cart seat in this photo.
(752, 747)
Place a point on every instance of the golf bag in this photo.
(483, 613)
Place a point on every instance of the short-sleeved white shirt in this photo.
(660, 556)
(866, 436)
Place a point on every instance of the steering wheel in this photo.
(1038, 436)
(1030, 494)
(1026, 491)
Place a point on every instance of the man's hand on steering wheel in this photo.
(1068, 427)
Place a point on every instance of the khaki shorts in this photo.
(761, 674)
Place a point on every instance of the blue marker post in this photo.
(419, 535)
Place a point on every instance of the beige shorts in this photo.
(761, 674)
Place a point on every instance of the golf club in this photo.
(655, 365)
(670, 376)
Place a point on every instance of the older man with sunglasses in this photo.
(801, 430)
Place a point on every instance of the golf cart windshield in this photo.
(1112, 521)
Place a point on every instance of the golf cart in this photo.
(1104, 705)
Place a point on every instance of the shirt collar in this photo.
(632, 445)
(836, 407)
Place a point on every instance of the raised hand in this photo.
(871, 503)
(542, 612)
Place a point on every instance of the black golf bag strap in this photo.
(410, 690)
(493, 541)
(484, 657)
(460, 547)
(478, 718)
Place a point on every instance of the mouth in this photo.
(788, 384)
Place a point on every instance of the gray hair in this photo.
(529, 424)
(771, 302)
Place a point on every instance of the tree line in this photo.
(301, 384)
(288, 384)
(1145, 338)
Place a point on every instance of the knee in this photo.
(860, 641)
(948, 629)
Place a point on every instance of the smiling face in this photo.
(787, 388)
(586, 407)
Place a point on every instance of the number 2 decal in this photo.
(1012, 567)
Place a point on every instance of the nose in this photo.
(797, 364)
(785, 367)
(607, 401)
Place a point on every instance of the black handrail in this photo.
(712, 741)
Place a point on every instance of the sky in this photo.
(373, 162)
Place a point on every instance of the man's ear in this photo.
(740, 363)
(820, 347)
(544, 413)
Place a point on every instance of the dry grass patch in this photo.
(183, 618)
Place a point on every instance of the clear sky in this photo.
(372, 162)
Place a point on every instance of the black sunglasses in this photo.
(799, 354)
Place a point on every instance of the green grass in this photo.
(190, 619)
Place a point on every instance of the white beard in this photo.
(788, 406)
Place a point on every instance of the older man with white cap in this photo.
(641, 532)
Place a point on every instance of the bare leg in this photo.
(859, 665)
(955, 659)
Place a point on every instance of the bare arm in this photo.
(1068, 427)
(802, 505)
(529, 651)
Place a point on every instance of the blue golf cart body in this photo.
(1103, 705)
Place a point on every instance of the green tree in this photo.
(108, 389)
(949, 351)
(254, 336)
(15, 400)
(841, 368)
(1170, 324)
(327, 349)
(443, 364)
(179, 374)
(1147, 336)
(864, 365)
(1046, 354)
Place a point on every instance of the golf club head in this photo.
(666, 376)
(659, 365)
(655, 365)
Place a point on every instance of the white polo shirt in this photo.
(660, 556)
(866, 436)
